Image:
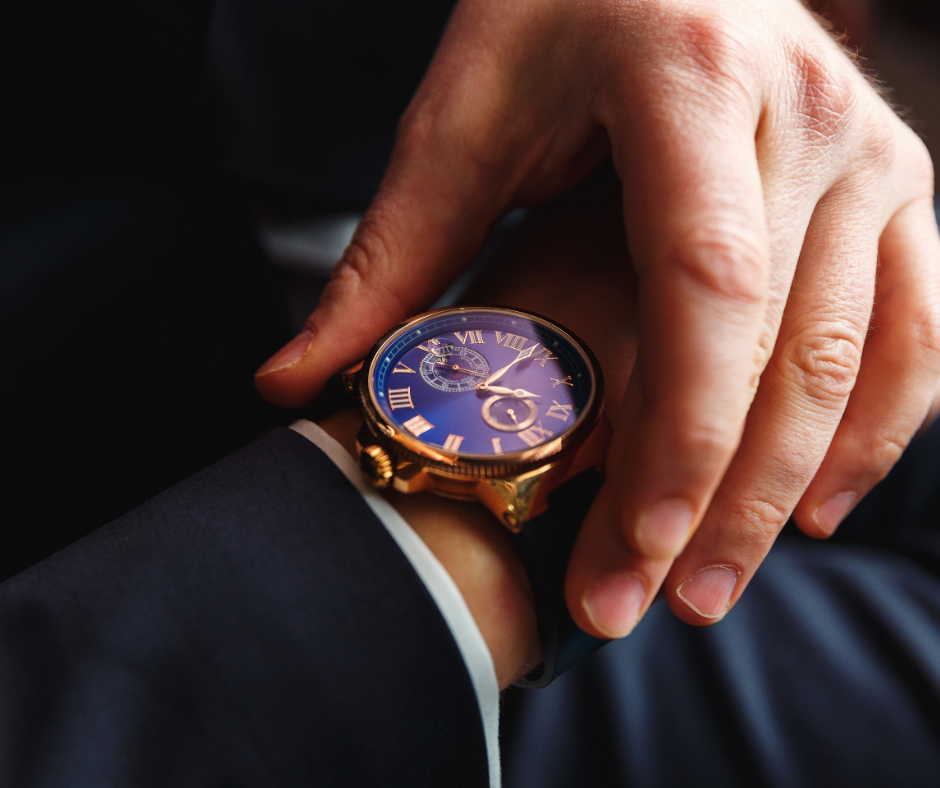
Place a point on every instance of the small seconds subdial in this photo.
(509, 413)
(461, 369)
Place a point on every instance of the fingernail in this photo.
(613, 604)
(709, 590)
(663, 529)
(832, 512)
(288, 355)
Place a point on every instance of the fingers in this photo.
(694, 214)
(699, 238)
(426, 223)
(802, 397)
(485, 130)
(899, 376)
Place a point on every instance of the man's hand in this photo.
(770, 198)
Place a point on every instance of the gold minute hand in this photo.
(523, 354)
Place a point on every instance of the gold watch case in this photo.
(514, 486)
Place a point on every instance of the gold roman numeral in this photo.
(510, 340)
(417, 425)
(427, 348)
(561, 412)
(556, 382)
(400, 398)
(497, 446)
(535, 434)
(475, 337)
(544, 359)
(401, 366)
(453, 442)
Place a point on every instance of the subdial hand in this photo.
(509, 412)
(457, 368)
(519, 393)
(523, 355)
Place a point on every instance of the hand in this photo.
(769, 196)
(456, 368)
(523, 354)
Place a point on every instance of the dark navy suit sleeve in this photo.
(255, 625)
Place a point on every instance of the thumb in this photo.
(428, 220)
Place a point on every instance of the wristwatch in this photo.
(504, 407)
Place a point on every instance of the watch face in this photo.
(482, 381)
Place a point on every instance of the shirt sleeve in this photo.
(443, 590)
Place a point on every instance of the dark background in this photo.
(142, 141)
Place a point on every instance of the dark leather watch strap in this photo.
(544, 545)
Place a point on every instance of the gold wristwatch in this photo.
(501, 406)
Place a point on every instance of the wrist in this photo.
(475, 550)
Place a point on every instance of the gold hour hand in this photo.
(523, 355)
(520, 393)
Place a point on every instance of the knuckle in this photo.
(722, 261)
(823, 361)
(757, 521)
(365, 270)
(925, 327)
(826, 91)
(887, 444)
(711, 43)
(878, 148)
(705, 445)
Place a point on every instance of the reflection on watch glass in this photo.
(482, 381)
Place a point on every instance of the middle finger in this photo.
(800, 401)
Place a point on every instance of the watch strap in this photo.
(544, 545)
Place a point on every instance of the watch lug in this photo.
(515, 499)
(410, 477)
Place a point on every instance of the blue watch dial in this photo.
(482, 381)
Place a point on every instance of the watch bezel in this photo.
(405, 446)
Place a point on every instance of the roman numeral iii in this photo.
(417, 425)
(453, 442)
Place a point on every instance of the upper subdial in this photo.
(450, 368)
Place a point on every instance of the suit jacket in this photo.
(253, 625)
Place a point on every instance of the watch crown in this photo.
(376, 465)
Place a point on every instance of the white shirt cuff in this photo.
(443, 590)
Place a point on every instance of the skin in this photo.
(781, 235)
